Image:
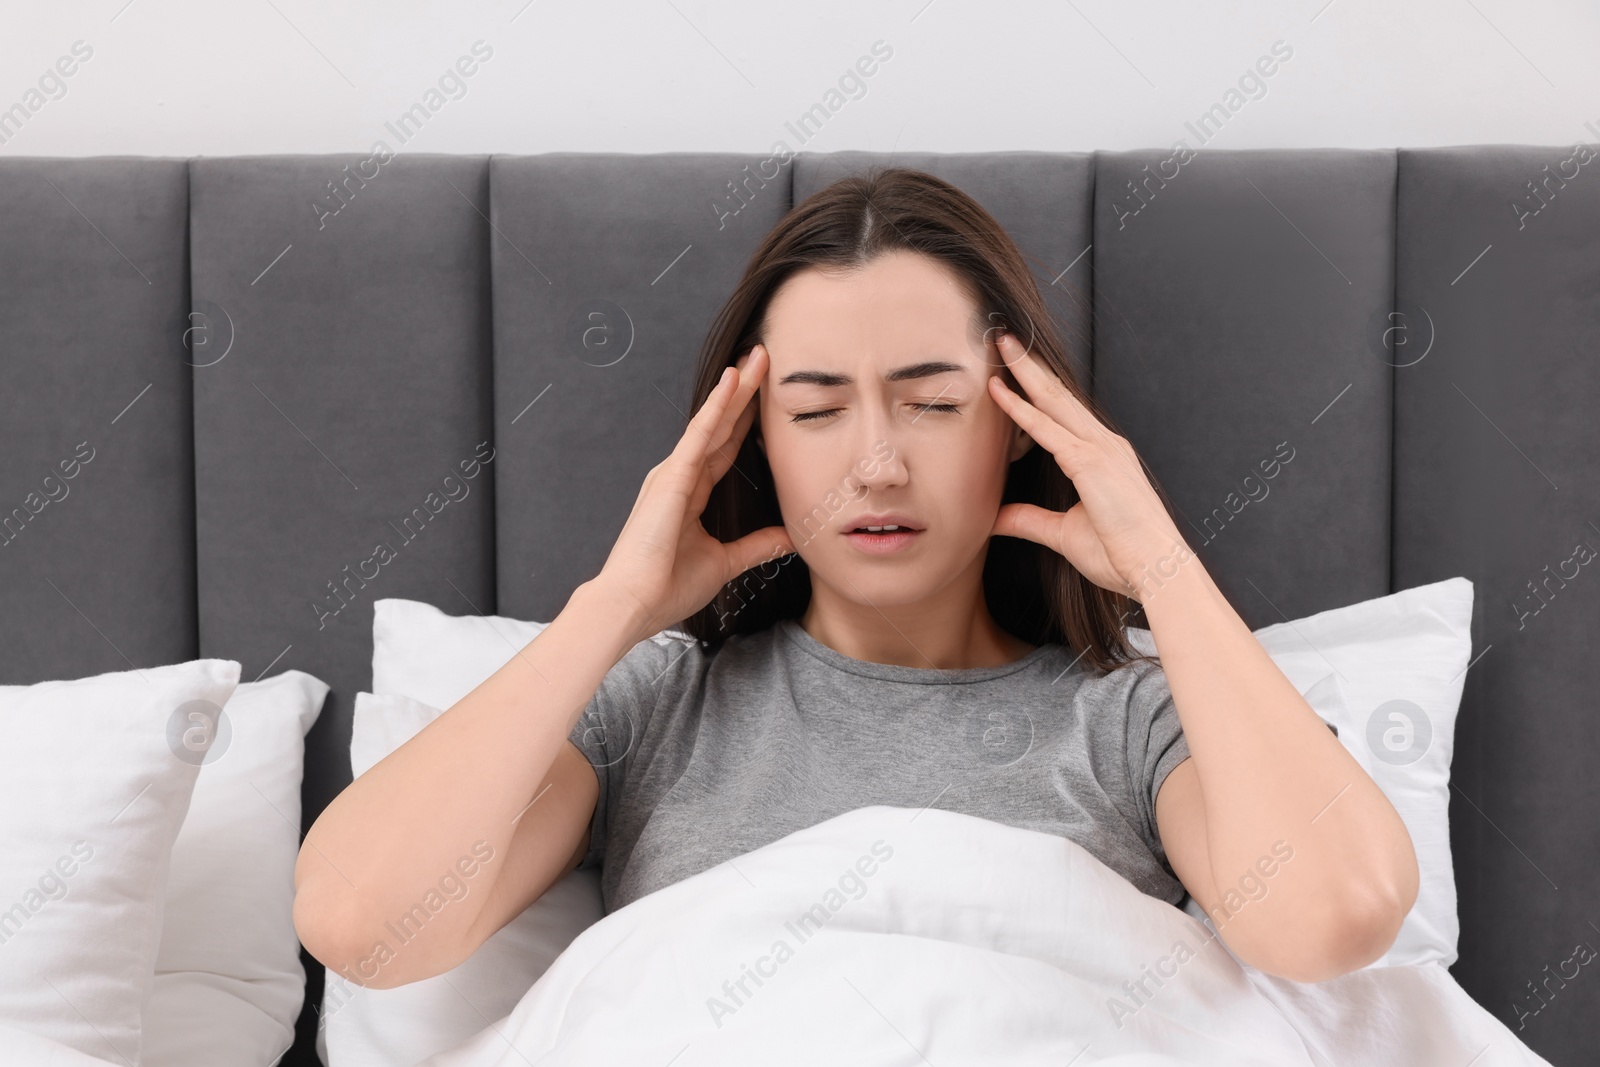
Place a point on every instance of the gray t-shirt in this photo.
(702, 757)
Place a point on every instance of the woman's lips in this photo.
(883, 544)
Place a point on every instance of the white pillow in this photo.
(1389, 672)
(420, 652)
(229, 983)
(91, 799)
(382, 1027)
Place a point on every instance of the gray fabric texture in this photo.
(703, 756)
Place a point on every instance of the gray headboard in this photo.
(360, 329)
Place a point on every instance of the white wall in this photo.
(203, 77)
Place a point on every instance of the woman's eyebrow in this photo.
(925, 369)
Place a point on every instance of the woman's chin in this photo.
(880, 583)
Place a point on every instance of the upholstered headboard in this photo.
(268, 367)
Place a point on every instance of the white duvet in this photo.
(893, 936)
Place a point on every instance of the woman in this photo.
(867, 418)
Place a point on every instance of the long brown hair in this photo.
(1031, 591)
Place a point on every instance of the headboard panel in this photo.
(360, 327)
(608, 270)
(97, 485)
(329, 439)
(1497, 476)
(1235, 301)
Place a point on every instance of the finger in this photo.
(747, 378)
(681, 475)
(756, 548)
(1066, 446)
(734, 425)
(1047, 391)
(1029, 522)
(741, 408)
(718, 462)
(696, 439)
(731, 408)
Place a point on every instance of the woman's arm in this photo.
(492, 794)
(1267, 779)
(487, 788)
(1262, 768)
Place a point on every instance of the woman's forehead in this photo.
(901, 287)
(864, 334)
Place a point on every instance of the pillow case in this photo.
(420, 652)
(1388, 673)
(92, 795)
(228, 979)
(381, 1027)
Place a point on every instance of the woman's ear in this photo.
(1020, 444)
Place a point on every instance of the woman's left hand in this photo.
(1119, 534)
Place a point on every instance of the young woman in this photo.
(881, 397)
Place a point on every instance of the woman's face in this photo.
(876, 403)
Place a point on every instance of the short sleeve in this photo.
(1155, 746)
(615, 719)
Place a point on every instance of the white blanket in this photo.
(893, 936)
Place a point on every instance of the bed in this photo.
(278, 360)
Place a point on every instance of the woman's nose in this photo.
(879, 462)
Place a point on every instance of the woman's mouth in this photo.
(882, 540)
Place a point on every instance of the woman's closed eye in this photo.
(806, 416)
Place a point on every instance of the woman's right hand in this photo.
(664, 560)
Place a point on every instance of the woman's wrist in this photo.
(1161, 566)
(614, 608)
